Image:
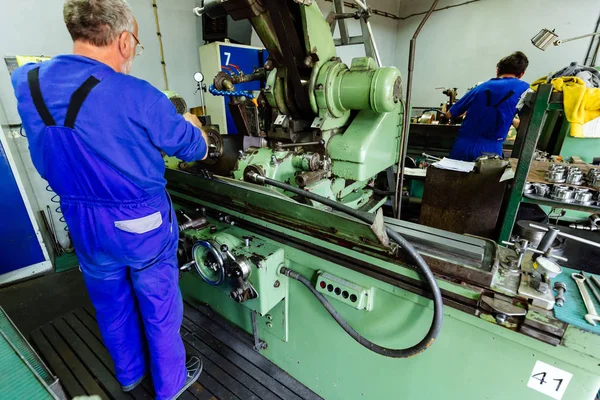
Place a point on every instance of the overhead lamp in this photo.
(547, 37)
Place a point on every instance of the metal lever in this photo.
(537, 251)
(431, 157)
(503, 309)
(286, 146)
(188, 266)
(576, 238)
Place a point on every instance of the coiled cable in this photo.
(56, 200)
(438, 304)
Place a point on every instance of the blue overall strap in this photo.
(33, 78)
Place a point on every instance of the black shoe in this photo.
(194, 369)
(135, 384)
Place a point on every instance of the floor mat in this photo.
(72, 348)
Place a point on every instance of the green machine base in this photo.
(477, 355)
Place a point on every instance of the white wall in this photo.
(461, 46)
(384, 30)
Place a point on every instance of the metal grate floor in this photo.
(73, 349)
(22, 374)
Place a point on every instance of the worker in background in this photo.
(490, 110)
(96, 135)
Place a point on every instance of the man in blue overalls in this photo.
(96, 135)
(491, 109)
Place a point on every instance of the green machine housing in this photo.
(327, 128)
(331, 129)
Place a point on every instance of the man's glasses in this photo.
(139, 47)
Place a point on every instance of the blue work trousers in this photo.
(132, 279)
(470, 149)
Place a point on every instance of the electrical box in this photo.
(345, 291)
(218, 56)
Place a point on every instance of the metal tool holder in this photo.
(580, 279)
(535, 282)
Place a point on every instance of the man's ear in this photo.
(124, 42)
(520, 75)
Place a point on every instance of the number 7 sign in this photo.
(549, 380)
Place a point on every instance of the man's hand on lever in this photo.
(193, 119)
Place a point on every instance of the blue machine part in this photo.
(19, 246)
(212, 90)
(247, 60)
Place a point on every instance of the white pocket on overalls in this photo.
(141, 225)
(142, 239)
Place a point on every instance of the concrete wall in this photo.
(461, 46)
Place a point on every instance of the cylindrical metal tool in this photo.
(556, 176)
(575, 178)
(593, 178)
(576, 238)
(529, 187)
(549, 238)
(306, 178)
(583, 196)
(563, 195)
(541, 189)
(560, 288)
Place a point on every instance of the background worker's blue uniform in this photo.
(95, 135)
(491, 108)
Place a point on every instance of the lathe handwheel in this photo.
(210, 264)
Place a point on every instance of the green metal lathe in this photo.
(281, 236)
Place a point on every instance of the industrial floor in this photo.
(59, 318)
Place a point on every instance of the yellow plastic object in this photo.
(22, 60)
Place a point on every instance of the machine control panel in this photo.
(345, 291)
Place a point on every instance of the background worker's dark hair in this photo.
(516, 64)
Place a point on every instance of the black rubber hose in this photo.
(438, 304)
